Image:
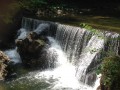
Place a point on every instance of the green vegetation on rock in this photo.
(111, 72)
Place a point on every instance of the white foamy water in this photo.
(13, 55)
(22, 33)
(94, 46)
(64, 75)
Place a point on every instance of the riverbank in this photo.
(97, 22)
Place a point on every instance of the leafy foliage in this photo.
(86, 26)
(32, 5)
(111, 72)
(94, 31)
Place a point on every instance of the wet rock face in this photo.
(31, 48)
(3, 65)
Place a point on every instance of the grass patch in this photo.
(97, 22)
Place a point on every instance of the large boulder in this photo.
(31, 48)
(3, 65)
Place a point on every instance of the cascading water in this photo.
(12, 53)
(84, 49)
(75, 53)
(94, 46)
(60, 78)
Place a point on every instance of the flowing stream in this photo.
(77, 55)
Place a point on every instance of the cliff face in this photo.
(9, 21)
(3, 65)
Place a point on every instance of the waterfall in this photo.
(93, 47)
(72, 40)
(85, 49)
(39, 25)
(75, 52)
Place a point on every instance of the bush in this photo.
(111, 72)
(33, 5)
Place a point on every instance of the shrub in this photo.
(33, 5)
(111, 72)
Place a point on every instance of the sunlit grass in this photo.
(98, 22)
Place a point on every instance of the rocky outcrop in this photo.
(3, 65)
(31, 48)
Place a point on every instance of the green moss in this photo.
(41, 42)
